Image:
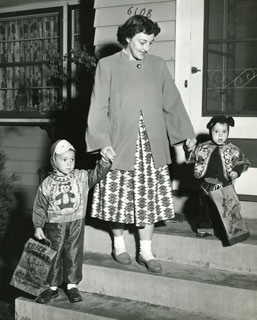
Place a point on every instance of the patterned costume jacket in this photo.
(231, 157)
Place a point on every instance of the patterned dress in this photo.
(142, 196)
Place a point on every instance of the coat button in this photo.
(139, 66)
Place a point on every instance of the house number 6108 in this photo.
(142, 12)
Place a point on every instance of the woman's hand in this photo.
(190, 143)
(108, 153)
(39, 234)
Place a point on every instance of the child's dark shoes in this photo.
(74, 295)
(46, 296)
(151, 265)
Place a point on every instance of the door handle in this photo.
(194, 70)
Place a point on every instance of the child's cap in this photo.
(61, 146)
(220, 119)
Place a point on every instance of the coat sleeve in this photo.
(98, 126)
(39, 214)
(98, 173)
(239, 161)
(178, 124)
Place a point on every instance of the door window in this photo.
(230, 72)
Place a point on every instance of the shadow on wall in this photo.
(188, 186)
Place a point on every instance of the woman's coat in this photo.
(123, 88)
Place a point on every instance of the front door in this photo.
(216, 71)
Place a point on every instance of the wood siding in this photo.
(111, 13)
(27, 150)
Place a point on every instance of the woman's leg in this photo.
(119, 253)
(145, 238)
(145, 252)
(146, 233)
(117, 229)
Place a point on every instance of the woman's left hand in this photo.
(190, 143)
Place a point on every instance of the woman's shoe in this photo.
(122, 258)
(151, 265)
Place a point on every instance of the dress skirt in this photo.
(140, 197)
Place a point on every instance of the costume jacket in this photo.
(231, 158)
(123, 89)
(63, 198)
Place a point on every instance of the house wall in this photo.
(27, 146)
(112, 13)
(27, 150)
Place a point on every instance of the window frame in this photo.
(32, 117)
(205, 112)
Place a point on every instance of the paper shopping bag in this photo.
(230, 221)
(32, 270)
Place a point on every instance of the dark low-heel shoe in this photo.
(47, 295)
(151, 265)
(74, 295)
(122, 258)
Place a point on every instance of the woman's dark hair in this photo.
(134, 25)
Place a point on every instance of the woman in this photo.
(136, 112)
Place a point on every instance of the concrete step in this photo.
(99, 307)
(175, 242)
(248, 208)
(213, 293)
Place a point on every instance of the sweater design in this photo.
(65, 195)
(230, 155)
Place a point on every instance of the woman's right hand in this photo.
(108, 153)
(39, 234)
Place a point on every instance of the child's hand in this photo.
(190, 143)
(39, 234)
(108, 153)
(233, 175)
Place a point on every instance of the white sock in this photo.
(119, 245)
(71, 285)
(53, 288)
(146, 250)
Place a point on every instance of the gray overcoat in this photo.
(123, 88)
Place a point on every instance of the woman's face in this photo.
(139, 45)
(219, 133)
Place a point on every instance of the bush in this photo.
(7, 196)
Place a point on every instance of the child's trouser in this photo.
(67, 239)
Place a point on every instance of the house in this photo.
(209, 46)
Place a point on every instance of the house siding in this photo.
(27, 150)
(110, 14)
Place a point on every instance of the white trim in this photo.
(22, 120)
(39, 5)
(182, 48)
(114, 3)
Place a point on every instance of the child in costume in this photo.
(217, 163)
(58, 215)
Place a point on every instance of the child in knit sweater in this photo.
(58, 215)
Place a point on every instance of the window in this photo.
(230, 73)
(27, 39)
(74, 44)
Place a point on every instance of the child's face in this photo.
(219, 133)
(65, 162)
